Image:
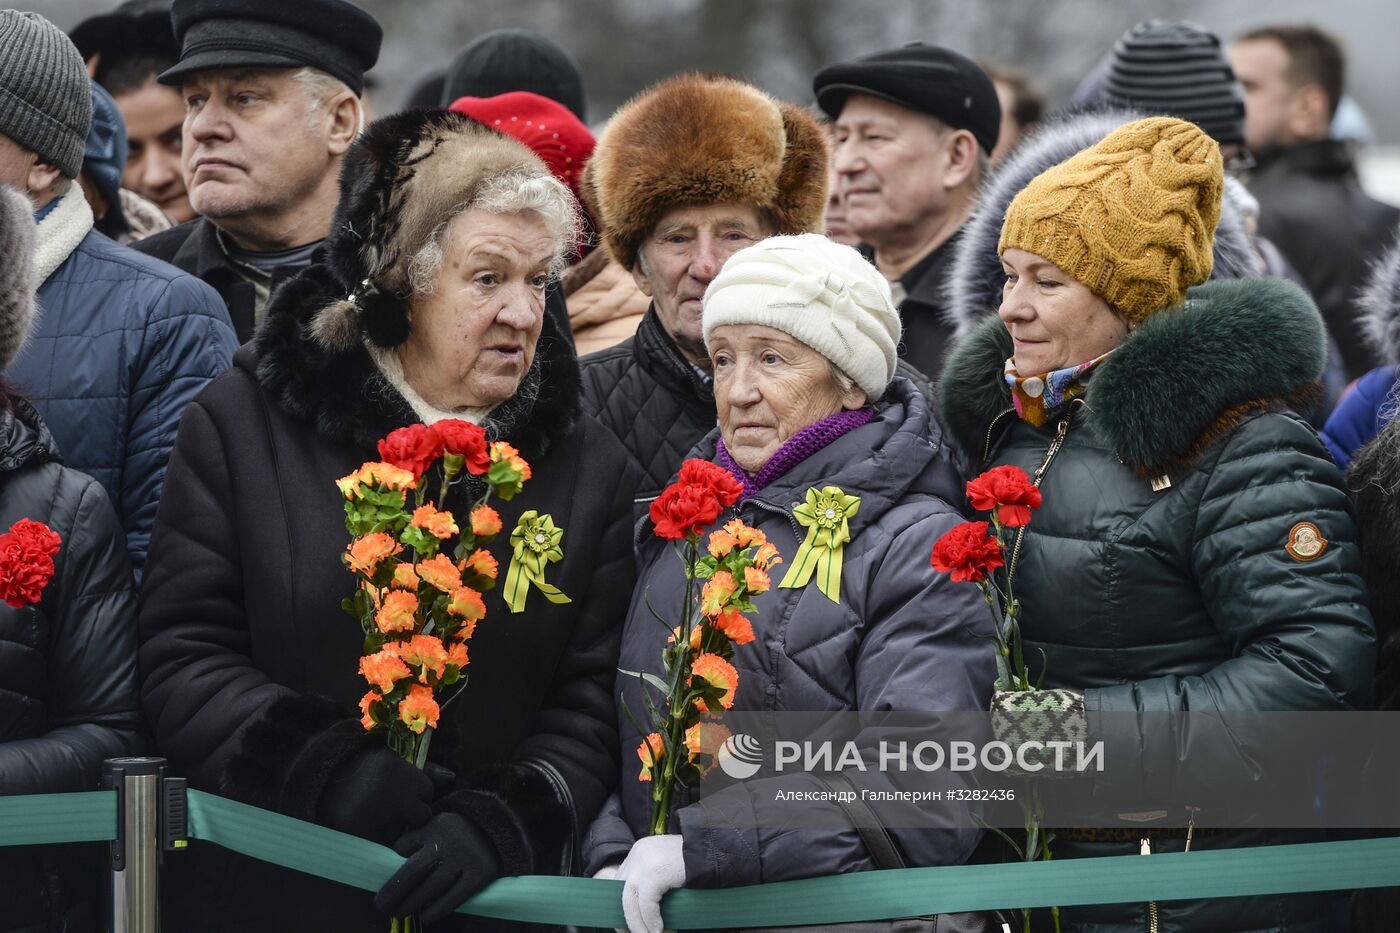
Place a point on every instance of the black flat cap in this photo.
(333, 35)
(926, 78)
(515, 60)
(136, 27)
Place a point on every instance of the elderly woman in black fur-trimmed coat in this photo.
(447, 234)
(1194, 551)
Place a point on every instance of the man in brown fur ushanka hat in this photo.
(687, 173)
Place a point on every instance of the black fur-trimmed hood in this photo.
(1379, 304)
(973, 289)
(343, 396)
(1178, 383)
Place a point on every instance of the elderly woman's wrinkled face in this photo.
(1054, 320)
(769, 386)
(472, 338)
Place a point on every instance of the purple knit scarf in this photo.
(796, 449)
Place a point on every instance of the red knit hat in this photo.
(550, 129)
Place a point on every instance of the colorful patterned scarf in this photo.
(1038, 397)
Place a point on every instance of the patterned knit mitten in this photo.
(1022, 716)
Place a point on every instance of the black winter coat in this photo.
(1157, 577)
(250, 665)
(68, 695)
(1312, 207)
(928, 327)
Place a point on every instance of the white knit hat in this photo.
(822, 293)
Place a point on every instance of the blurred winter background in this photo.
(623, 45)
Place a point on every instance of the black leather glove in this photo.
(449, 860)
(377, 795)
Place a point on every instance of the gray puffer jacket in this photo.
(903, 638)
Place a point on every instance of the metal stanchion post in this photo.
(136, 850)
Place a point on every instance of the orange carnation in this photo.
(695, 633)
(405, 577)
(745, 535)
(717, 672)
(457, 655)
(382, 669)
(436, 523)
(439, 571)
(419, 710)
(735, 626)
(501, 451)
(705, 738)
(766, 556)
(466, 602)
(485, 521)
(364, 555)
(717, 593)
(366, 701)
(372, 474)
(426, 652)
(722, 543)
(480, 562)
(756, 580)
(397, 612)
(651, 751)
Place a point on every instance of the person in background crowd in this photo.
(123, 341)
(104, 159)
(915, 127)
(1178, 69)
(807, 396)
(1311, 203)
(125, 50)
(1371, 403)
(68, 664)
(249, 662)
(272, 98)
(1169, 490)
(515, 60)
(838, 229)
(564, 144)
(1022, 107)
(736, 166)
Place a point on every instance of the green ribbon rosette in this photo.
(825, 515)
(534, 545)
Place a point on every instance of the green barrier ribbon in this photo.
(534, 545)
(39, 819)
(825, 515)
(870, 895)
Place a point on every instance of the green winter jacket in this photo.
(1156, 576)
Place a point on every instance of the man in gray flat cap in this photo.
(123, 341)
(272, 94)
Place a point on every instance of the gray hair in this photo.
(844, 383)
(516, 191)
(318, 87)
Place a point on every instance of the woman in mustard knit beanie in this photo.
(1194, 549)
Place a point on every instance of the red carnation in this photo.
(967, 552)
(1008, 490)
(684, 509)
(715, 478)
(467, 440)
(413, 448)
(26, 562)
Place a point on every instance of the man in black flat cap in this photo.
(914, 129)
(272, 93)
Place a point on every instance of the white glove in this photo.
(609, 871)
(654, 866)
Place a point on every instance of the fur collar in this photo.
(61, 231)
(974, 284)
(1379, 304)
(1177, 384)
(17, 281)
(344, 396)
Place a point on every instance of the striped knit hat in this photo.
(1177, 70)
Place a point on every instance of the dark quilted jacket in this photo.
(121, 344)
(67, 673)
(1153, 597)
(903, 637)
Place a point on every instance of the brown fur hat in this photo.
(406, 175)
(705, 139)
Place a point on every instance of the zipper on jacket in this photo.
(1152, 919)
(1061, 431)
(987, 447)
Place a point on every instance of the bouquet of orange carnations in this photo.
(699, 674)
(418, 606)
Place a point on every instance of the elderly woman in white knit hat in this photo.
(802, 335)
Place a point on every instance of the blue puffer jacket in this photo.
(903, 638)
(121, 344)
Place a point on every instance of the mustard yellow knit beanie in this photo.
(1132, 217)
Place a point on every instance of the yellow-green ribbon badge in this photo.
(534, 545)
(824, 515)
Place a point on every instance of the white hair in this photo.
(318, 87)
(516, 191)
